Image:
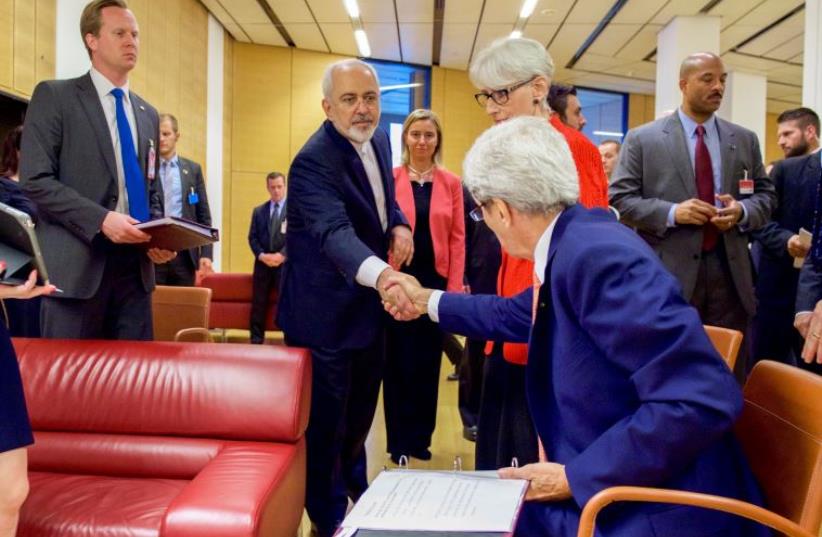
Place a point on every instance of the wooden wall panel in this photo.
(45, 39)
(24, 49)
(641, 109)
(462, 119)
(7, 45)
(772, 150)
(228, 126)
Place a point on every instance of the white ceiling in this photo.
(759, 36)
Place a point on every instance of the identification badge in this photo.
(193, 198)
(746, 186)
(152, 160)
(283, 226)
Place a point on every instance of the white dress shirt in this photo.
(104, 87)
(373, 266)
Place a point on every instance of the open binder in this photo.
(436, 503)
(19, 248)
(177, 234)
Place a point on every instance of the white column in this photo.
(214, 131)
(745, 103)
(681, 37)
(812, 70)
(72, 59)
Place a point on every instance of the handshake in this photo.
(402, 295)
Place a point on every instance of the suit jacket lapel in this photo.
(812, 170)
(144, 133)
(678, 152)
(94, 110)
(727, 150)
(186, 184)
(385, 174)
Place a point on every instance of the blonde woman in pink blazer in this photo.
(431, 199)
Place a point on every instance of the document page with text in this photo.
(424, 500)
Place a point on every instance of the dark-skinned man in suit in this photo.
(88, 160)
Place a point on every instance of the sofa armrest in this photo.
(247, 490)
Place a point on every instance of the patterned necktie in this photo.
(704, 172)
(816, 241)
(135, 184)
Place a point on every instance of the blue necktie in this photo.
(135, 184)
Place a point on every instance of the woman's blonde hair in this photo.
(421, 114)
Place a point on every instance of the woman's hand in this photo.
(29, 289)
(547, 481)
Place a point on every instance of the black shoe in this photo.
(453, 376)
(395, 458)
(470, 433)
(422, 454)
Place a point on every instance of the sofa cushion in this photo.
(85, 506)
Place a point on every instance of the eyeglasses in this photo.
(500, 96)
(476, 212)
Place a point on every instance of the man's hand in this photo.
(694, 211)
(394, 296)
(272, 260)
(729, 215)
(28, 289)
(417, 294)
(547, 481)
(796, 248)
(205, 266)
(159, 256)
(810, 326)
(119, 228)
(402, 246)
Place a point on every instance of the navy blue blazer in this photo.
(259, 234)
(333, 226)
(623, 385)
(796, 181)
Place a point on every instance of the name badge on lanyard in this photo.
(152, 160)
(746, 185)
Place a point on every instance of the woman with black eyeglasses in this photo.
(431, 199)
(514, 77)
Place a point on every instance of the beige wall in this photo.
(772, 151)
(172, 72)
(27, 49)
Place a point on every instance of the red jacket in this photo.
(446, 219)
(515, 274)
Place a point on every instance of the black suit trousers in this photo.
(264, 279)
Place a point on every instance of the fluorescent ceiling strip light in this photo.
(609, 133)
(516, 34)
(401, 86)
(527, 8)
(352, 8)
(362, 43)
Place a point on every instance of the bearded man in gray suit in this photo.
(694, 186)
(88, 160)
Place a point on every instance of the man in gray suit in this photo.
(88, 160)
(184, 196)
(693, 185)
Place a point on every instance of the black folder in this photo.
(176, 234)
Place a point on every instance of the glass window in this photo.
(606, 114)
(404, 89)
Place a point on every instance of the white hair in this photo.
(508, 61)
(328, 82)
(524, 162)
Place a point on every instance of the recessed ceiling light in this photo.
(352, 8)
(362, 43)
(516, 34)
(527, 8)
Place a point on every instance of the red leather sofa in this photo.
(164, 439)
(231, 301)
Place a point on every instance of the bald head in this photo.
(696, 61)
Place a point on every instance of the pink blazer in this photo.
(447, 221)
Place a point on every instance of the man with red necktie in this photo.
(694, 186)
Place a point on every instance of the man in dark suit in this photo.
(267, 240)
(184, 196)
(342, 220)
(777, 245)
(88, 160)
(623, 385)
(694, 186)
